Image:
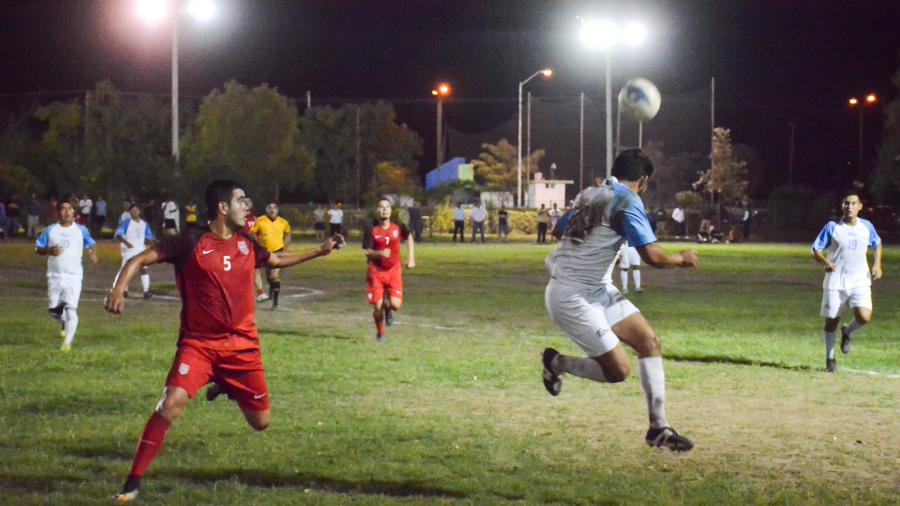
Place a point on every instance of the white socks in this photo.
(71, 319)
(624, 275)
(829, 343)
(587, 367)
(854, 326)
(145, 282)
(653, 380)
(636, 273)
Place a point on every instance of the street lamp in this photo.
(604, 35)
(153, 12)
(442, 90)
(870, 100)
(546, 73)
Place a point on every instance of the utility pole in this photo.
(581, 147)
(358, 164)
(791, 157)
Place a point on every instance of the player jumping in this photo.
(847, 283)
(218, 340)
(384, 279)
(584, 303)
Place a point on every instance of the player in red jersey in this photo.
(384, 280)
(218, 341)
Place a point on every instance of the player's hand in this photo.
(128, 244)
(689, 259)
(327, 246)
(876, 273)
(411, 264)
(829, 267)
(115, 302)
(55, 250)
(385, 253)
(93, 254)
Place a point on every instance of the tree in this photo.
(251, 135)
(390, 179)
(61, 146)
(725, 180)
(886, 178)
(333, 136)
(672, 174)
(496, 167)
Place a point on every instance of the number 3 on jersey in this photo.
(227, 260)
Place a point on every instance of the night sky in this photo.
(774, 61)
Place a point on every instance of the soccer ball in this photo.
(639, 100)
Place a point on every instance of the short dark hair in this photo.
(219, 190)
(851, 191)
(631, 165)
(132, 206)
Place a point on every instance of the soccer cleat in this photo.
(147, 295)
(639, 290)
(552, 381)
(667, 437)
(262, 297)
(129, 490)
(380, 338)
(65, 348)
(388, 316)
(845, 340)
(830, 365)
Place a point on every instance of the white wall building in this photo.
(547, 192)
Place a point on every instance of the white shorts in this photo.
(587, 315)
(630, 258)
(63, 289)
(836, 302)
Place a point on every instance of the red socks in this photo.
(150, 444)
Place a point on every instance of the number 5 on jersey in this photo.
(227, 260)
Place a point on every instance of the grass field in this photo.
(451, 409)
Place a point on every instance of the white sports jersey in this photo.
(72, 239)
(335, 216)
(135, 232)
(590, 261)
(170, 211)
(847, 245)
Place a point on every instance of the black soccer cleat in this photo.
(56, 312)
(147, 295)
(388, 316)
(845, 340)
(213, 392)
(667, 437)
(129, 490)
(830, 365)
(380, 338)
(552, 381)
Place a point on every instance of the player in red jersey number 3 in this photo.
(218, 341)
(384, 281)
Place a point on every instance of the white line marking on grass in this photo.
(870, 373)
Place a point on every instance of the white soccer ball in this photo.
(639, 100)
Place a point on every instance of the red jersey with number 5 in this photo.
(215, 280)
(379, 238)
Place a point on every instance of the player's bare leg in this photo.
(378, 315)
(391, 304)
(274, 285)
(169, 409)
(259, 420)
(862, 316)
(261, 295)
(829, 335)
(637, 333)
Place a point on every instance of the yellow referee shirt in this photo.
(271, 233)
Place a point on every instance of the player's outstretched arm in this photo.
(288, 259)
(654, 255)
(115, 302)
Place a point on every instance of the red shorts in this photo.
(378, 282)
(239, 373)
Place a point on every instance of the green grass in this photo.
(451, 409)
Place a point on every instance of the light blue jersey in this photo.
(846, 246)
(73, 240)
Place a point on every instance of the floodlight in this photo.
(152, 11)
(201, 10)
(547, 72)
(598, 34)
(634, 34)
(871, 98)
(853, 101)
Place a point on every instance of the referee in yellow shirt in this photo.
(274, 233)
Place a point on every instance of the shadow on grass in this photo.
(270, 479)
(303, 335)
(724, 359)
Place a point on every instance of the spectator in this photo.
(415, 221)
(12, 218)
(478, 215)
(85, 205)
(190, 213)
(748, 216)
(171, 217)
(554, 217)
(99, 216)
(503, 223)
(678, 218)
(543, 222)
(336, 219)
(459, 222)
(319, 222)
(151, 215)
(34, 217)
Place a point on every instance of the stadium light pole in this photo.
(443, 90)
(154, 12)
(546, 73)
(604, 35)
(871, 99)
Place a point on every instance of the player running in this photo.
(847, 282)
(384, 279)
(274, 233)
(630, 261)
(584, 303)
(64, 243)
(218, 340)
(134, 236)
